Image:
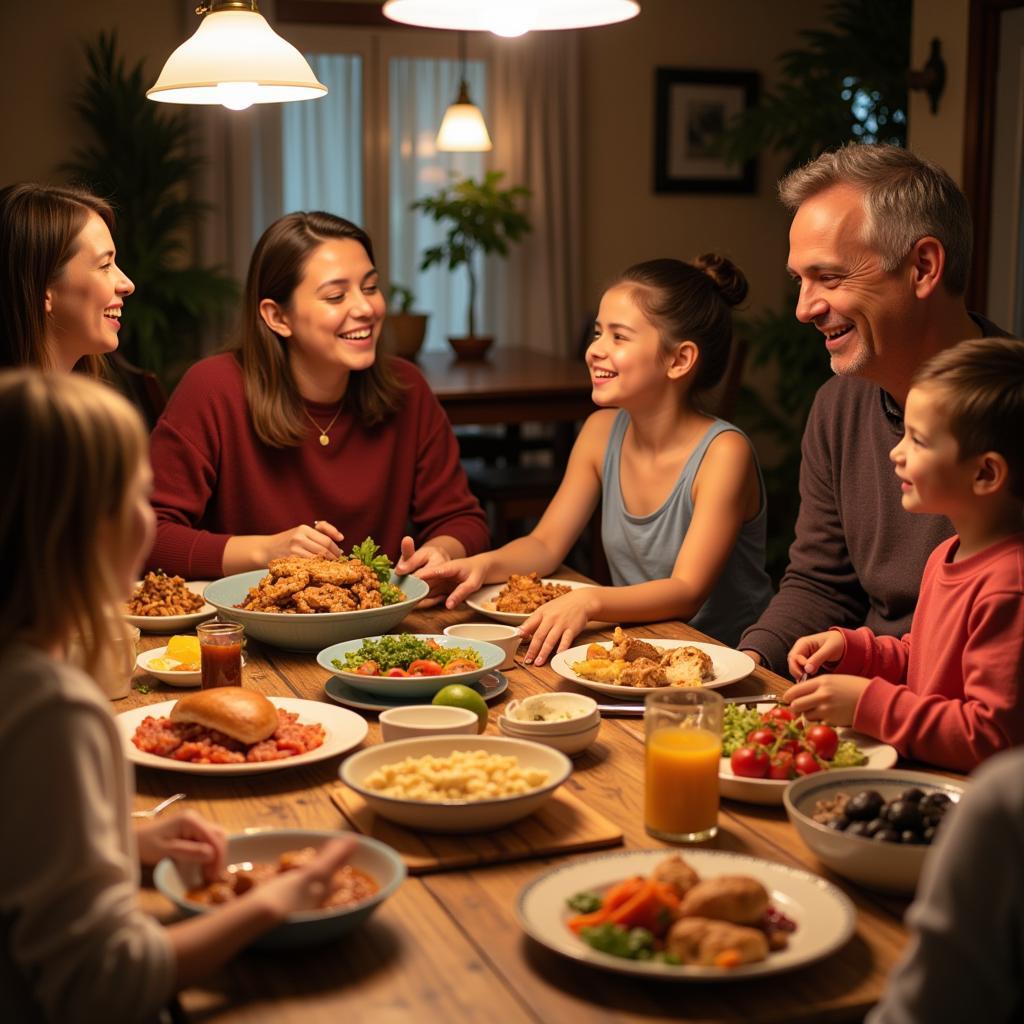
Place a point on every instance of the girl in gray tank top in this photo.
(683, 501)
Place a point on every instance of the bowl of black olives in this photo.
(874, 828)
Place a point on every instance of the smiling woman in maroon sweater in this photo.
(303, 437)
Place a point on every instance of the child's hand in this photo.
(186, 838)
(811, 653)
(828, 698)
(557, 623)
(466, 573)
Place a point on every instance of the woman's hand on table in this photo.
(186, 838)
(811, 653)
(554, 626)
(828, 698)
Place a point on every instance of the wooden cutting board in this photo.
(563, 825)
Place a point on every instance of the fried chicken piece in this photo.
(599, 670)
(325, 571)
(674, 871)
(327, 598)
(687, 666)
(270, 591)
(734, 898)
(628, 648)
(368, 596)
(707, 943)
(290, 566)
(525, 594)
(642, 673)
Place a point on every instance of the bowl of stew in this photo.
(370, 876)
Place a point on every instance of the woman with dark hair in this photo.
(682, 501)
(302, 435)
(61, 293)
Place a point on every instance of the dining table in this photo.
(447, 946)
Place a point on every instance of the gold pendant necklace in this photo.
(324, 439)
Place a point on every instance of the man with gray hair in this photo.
(880, 247)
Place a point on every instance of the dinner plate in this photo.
(769, 791)
(729, 665)
(489, 686)
(824, 916)
(175, 623)
(401, 687)
(483, 601)
(344, 730)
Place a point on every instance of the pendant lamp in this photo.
(463, 129)
(235, 59)
(510, 17)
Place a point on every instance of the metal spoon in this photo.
(162, 806)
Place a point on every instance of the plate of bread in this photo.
(231, 730)
(631, 665)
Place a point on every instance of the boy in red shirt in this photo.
(948, 692)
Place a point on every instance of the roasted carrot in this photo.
(615, 897)
(652, 907)
(728, 958)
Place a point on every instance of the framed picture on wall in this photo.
(692, 111)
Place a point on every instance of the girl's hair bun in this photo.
(729, 279)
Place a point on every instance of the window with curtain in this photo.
(323, 160)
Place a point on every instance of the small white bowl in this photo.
(520, 715)
(456, 816)
(505, 637)
(888, 867)
(417, 720)
(570, 743)
(145, 662)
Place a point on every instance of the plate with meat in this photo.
(517, 599)
(711, 915)
(631, 666)
(167, 604)
(231, 730)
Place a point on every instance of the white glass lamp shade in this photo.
(236, 59)
(510, 17)
(463, 129)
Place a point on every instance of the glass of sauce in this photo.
(220, 653)
(682, 752)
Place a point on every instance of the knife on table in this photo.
(632, 710)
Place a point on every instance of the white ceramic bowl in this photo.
(309, 632)
(310, 927)
(570, 743)
(456, 815)
(889, 867)
(506, 637)
(145, 662)
(410, 686)
(519, 715)
(417, 720)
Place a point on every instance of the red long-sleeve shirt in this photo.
(949, 692)
(214, 478)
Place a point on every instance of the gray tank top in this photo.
(643, 548)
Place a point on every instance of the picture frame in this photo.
(692, 111)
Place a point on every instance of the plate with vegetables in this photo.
(410, 664)
(765, 747)
(710, 915)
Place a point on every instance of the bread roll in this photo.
(242, 714)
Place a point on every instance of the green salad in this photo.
(401, 651)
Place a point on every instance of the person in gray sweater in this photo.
(880, 246)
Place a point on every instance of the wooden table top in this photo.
(447, 947)
(512, 385)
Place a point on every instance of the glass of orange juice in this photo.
(682, 752)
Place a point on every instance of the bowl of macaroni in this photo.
(456, 783)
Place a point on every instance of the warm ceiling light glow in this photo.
(463, 129)
(236, 59)
(510, 17)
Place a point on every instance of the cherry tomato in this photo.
(778, 714)
(460, 665)
(750, 762)
(396, 672)
(368, 668)
(782, 766)
(806, 763)
(824, 739)
(762, 737)
(425, 667)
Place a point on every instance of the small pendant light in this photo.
(463, 129)
(510, 17)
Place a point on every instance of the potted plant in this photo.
(484, 218)
(405, 329)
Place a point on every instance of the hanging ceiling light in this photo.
(510, 17)
(236, 59)
(463, 129)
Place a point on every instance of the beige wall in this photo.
(940, 136)
(624, 220)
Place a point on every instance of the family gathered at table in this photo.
(900, 615)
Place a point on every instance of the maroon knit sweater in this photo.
(215, 479)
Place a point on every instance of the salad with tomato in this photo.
(776, 744)
(408, 655)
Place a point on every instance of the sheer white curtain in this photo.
(419, 92)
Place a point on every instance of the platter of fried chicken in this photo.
(711, 916)
(629, 664)
(514, 601)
